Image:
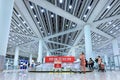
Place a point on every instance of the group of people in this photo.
(84, 63)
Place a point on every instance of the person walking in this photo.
(83, 62)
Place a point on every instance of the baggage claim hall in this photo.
(59, 39)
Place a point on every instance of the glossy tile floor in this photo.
(109, 75)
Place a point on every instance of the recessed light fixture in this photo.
(48, 33)
(114, 25)
(23, 22)
(108, 7)
(89, 7)
(73, 25)
(66, 24)
(18, 15)
(116, 28)
(42, 10)
(99, 36)
(111, 31)
(41, 31)
(35, 16)
(110, 22)
(52, 15)
(38, 22)
(60, 1)
(85, 16)
(70, 6)
(31, 7)
(18, 24)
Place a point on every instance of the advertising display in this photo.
(63, 59)
(57, 64)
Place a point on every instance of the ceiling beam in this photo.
(24, 35)
(59, 49)
(101, 33)
(94, 14)
(24, 12)
(78, 39)
(97, 10)
(106, 20)
(62, 33)
(57, 43)
(28, 43)
(47, 5)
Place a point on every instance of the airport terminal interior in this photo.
(59, 39)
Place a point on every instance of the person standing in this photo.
(83, 62)
(91, 64)
(99, 61)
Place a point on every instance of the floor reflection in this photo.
(23, 75)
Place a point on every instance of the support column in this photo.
(30, 59)
(16, 57)
(48, 53)
(39, 59)
(115, 50)
(88, 43)
(6, 7)
(106, 59)
(73, 52)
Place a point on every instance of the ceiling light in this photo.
(73, 25)
(38, 22)
(89, 7)
(35, 15)
(40, 27)
(60, 1)
(23, 22)
(42, 31)
(42, 10)
(66, 24)
(70, 6)
(18, 15)
(18, 24)
(52, 15)
(116, 28)
(111, 31)
(48, 33)
(85, 16)
(110, 22)
(108, 7)
(31, 7)
(114, 25)
(99, 36)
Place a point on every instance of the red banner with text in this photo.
(63, 59)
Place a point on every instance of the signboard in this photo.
(63, 59)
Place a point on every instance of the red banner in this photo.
(57, 65)
(63, 59)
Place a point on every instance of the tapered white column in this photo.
(6, 7)
(39, 59)
(48, 53)
(30, 59)
(106, 59)
(88, 44)
(73, 52)
(115, 47)
(115, 50)
(16, 56)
